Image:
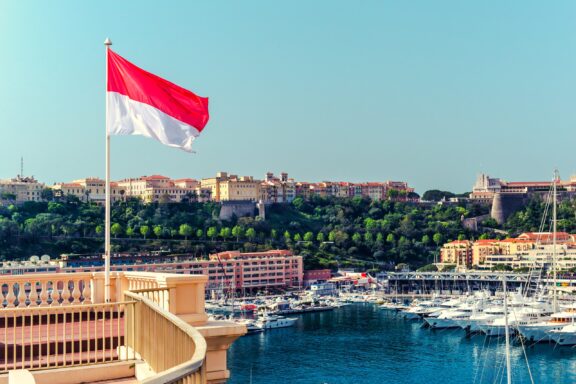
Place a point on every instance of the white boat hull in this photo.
(563, 338)
(438, 323)
(539, 333)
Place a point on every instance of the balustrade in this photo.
(60, 320)
(43, 290)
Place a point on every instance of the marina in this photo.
(363, 343)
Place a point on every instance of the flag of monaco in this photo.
(141, 103)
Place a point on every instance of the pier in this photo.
(426, 283)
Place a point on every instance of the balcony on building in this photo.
(58, 328)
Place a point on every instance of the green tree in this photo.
(297, 237)
(428, 268)
(251, 234)
(129, 231)
(426, 240)
(211, 233)
(368, 237)
(237, 232)
(47, 194)
(437, 238)
(144, 231)
(308, 236)
(437, 195)
(287, 236)
(186, 230)
(116, 229)
(357, 238)
(199, 233)
(158, 230)
(390, 238)
(320, 237)
(99, 229)
(225, 233)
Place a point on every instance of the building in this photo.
(21, 189)
(457, 252)
(486, 187)
(225, 187)
(89, 189)
(314, 276)
(482, 249)
(540, 256)
(277, 190)
(324, 289)
(388, 190)
(229, 187)
(231, 270)
(526, 250)
(158, 188)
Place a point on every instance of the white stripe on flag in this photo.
(130, 117)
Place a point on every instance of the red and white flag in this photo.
(141, 103)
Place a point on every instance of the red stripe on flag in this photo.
(145, 87)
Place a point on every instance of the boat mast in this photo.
(554, 220)
(506, 330)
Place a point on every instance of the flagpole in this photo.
(107, 43)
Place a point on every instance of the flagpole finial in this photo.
(108, 42)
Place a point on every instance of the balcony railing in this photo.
(171, 347)
(36, 338)
(61, 321)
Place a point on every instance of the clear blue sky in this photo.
(431, 92)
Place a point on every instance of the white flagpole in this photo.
(107, 43)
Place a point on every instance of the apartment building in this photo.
(88, 189)
(225, 187)
(226, 270)
(21, 189)
(160, 188)
(457, 252)
(528, 249)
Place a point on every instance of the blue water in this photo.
(363, 344)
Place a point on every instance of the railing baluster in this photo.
(10, 297)
(48, 339)
(72, 329)
(103, 338)
(14, 341)
(111, 335)
(81, 337)
(31, 328)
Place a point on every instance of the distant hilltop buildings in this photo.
(223, 187)
(507, 197)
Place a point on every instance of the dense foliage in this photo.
(328, 232)
(530, 218)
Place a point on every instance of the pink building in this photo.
(316, 276)
(226, 270)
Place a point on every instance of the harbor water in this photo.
(361, 343)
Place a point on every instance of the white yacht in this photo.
(488, 315)
(421, 309)
(272, 321)
(532, 314)
(539, 332)
(564, 336)
(451, 318)
(251, 325)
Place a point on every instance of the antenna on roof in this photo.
(21, 166)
